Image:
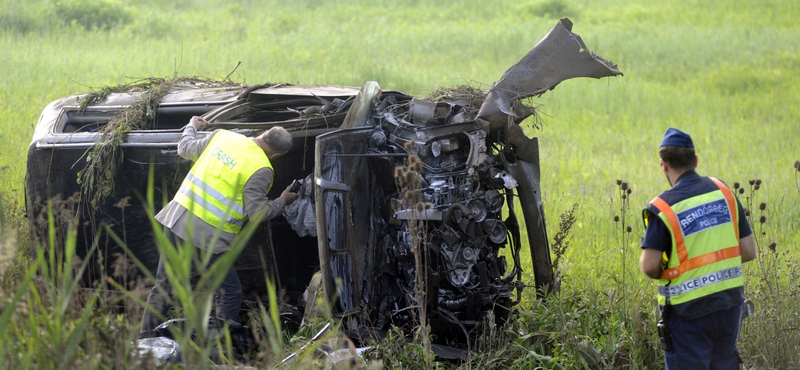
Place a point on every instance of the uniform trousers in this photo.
(708, 342)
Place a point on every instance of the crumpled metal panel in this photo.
(344, 231)
(359, 113)
(559, 56)
(526, 171)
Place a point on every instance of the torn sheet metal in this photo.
(559, 56)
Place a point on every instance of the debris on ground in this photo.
(162, 346)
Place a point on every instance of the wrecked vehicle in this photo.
(395, 178)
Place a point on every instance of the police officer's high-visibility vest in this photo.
(214, 188)
(705, 256)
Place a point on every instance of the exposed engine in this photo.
(416, 199)
(454, 208)
(435, 185)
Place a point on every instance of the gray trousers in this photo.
(228, 297)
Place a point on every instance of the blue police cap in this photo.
(674, 137)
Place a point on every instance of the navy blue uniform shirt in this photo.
(657, 236)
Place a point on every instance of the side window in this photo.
(84, 121)
(93, 119)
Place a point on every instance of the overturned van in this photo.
(470, 164)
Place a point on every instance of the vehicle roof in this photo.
(192, 94)
(309, 90)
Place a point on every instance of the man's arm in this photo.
(747, 242)
(189, 146)
(656, 240)
(256, 202)
(650, 263)
(748, 247)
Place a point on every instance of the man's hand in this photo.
(289, 196)
(198, 122)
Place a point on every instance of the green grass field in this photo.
(727, 72)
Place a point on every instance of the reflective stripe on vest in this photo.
(209, 207)
(708, 223)
(213, 190)
(700, 282)
(213, 193)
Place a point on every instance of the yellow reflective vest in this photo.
(214, 188)
(705, 257)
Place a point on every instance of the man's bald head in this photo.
(277, 140)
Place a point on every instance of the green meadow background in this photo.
(727, 72)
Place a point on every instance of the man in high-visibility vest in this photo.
(227, 185)
(696, 239)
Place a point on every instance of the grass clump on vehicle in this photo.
(473, 96)
(104, 158)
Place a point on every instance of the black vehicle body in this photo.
(474, 162)
(65, 132)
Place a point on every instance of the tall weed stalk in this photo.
(637, 346)
(409, 180)
(771, 337)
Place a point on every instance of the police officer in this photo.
(227, 185)
(695, 241)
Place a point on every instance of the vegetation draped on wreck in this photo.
(104, 158)
(472, 95)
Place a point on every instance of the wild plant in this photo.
(53, 319)
(772, 336)
(560, 245)
(796, 173)
(46, 320)
(6, 240)
(194, 282)
(103, 160)
(624, 230)
(636, 300)
(408, 181)
(395, 352)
